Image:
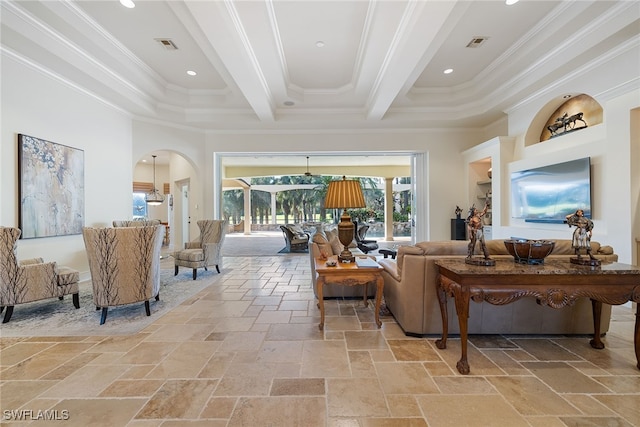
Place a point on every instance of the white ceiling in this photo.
(259, 66)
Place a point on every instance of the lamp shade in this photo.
(344, 194)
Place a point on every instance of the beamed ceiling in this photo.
(305, 65)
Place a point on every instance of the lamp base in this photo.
(346, 256)
(345, 235)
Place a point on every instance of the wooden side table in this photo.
(348, 275)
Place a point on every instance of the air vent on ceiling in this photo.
(167, 44)
(477, 41)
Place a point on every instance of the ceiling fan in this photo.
(307, 173)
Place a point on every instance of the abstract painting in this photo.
(51, 187)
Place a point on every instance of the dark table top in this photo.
(550, 267)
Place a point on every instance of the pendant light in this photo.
(154, 197)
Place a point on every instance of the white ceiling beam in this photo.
(415, 41)
(220, 23)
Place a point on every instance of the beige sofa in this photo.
(410, 283)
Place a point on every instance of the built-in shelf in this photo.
(487, 181)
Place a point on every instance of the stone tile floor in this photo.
(247, 351)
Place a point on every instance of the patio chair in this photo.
(295, 238)
(364, 244)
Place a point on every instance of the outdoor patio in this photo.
(269, 243)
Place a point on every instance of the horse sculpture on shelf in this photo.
(566, 122)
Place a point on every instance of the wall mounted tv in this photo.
(550, 193)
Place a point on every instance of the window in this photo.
(139, 206)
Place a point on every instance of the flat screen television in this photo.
(550, 193)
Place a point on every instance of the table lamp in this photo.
(345, 194)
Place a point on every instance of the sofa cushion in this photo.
(605, 250)
(193, 255)
(496, 247)
(406, 250)
(445, 247)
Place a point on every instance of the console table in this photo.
(348, 274)
(555, 283)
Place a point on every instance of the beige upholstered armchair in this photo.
(124, 265)
(136, 222)
(30, 280)
(206, 251)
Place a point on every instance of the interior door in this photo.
(186, 217)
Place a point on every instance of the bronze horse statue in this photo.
(565, 122)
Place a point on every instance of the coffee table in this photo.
(348, 274)
(555, 283)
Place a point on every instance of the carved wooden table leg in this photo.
(319, 286)
(366, 288)
(596, 307)
(442, 300)
(461, 295)
(379, 290)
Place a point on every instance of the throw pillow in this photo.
(325, 249)
(336, 246)
(319, 239)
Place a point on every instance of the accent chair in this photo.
(136, 222)
(364, 244)
(205, 251)
(125, 265)
(31, 280)
(295, 238)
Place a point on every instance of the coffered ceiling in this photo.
(307, 65)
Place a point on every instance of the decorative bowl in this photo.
(529, 251)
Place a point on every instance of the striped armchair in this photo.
(125, 265)
(206, 251)
(31, 280)
(135, 222)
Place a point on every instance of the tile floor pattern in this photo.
(247, 351)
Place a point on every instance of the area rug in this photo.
(52, 317)
(287, 251)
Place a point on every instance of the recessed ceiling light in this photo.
(128, 3)
(289, 103)
(191, 73)
(567, 96)
(320, 43)
(510, 2)
(448, 71)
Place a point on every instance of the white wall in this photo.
(41, 106)
(614, 170)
